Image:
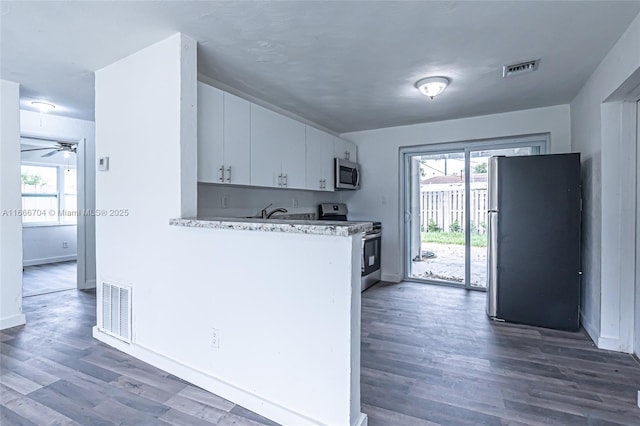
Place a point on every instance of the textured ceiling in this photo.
(344, 65)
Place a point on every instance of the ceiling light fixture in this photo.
(43, 106)
(432, 86)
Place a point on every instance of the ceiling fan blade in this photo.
(49, 154)
(35, 149)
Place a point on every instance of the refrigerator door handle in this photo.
(492, 264)
(492, 182)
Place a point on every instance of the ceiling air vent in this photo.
(520, 68)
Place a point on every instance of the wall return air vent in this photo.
(116, 311)
(520, 68)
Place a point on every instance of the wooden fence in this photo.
(446, 208)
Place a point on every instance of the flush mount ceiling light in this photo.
(43, 106)
(432, 86)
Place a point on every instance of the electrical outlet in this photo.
(294, 203)
(65, 244)
(215, 338)
(224, 202)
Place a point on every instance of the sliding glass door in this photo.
(437, 207)
(445, 208)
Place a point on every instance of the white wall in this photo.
(378, 153)
(243, 201)
(44, 244)
(637, 309)
(286, 335)
(82, 131)
(601, 132)
(286, 338)
(10, 201)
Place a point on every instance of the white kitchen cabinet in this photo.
(277, 150)
(237, 140)
(319, 163)
(223, 137)
(345, 149)
(210, 134)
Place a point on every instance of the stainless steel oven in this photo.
(371, 250)
(371, 243)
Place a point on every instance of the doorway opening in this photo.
(445, 208)
(49, 184)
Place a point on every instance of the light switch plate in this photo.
(103, 164)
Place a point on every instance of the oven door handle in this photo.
(367, 237)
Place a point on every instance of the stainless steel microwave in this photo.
(347, 174)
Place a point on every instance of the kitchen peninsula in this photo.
(273, 308)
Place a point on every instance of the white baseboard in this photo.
(394, 278)
(12, 321)
(362, 420)
(607, 343)
(591, 331)
(45, 260)
(614, 344)
(89, 284)
(242, 397)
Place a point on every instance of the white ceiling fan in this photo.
(66, 148)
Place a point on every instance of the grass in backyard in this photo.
(477, 240)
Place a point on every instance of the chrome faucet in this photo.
(265, 214)
(280, 209)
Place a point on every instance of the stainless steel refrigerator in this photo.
(533, 227)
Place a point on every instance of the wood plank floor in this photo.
(52, 371)
(48, 278)
(429, 356)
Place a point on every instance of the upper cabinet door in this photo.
(237, 140)
(319, 160)
(210, 134)
(328, 165)
(277, 150)
(292, 152)
(266, 147)
(345, 149)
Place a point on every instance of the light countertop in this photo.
(314, 227)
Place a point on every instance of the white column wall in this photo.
(10, 201)
(601, 131)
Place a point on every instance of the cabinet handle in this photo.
(280, 180)
(286, 180)
(229, 171)
(321, 183)
(221, 173)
